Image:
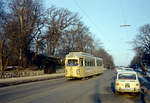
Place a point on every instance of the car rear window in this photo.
(127, 76)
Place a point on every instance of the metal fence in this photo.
(8, 74)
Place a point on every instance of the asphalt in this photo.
(97, 89)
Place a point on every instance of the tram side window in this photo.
(87, 63)
(81, 61)
(93, 63)
(90, 63)
(99, 63)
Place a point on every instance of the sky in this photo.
(104, 17)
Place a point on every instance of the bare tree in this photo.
(58, 31)
(142, 46)
(2, 36)
(83, 39)
(77, 39)
(143, 39)
(107, 58)
(24, 24)
(59, 22)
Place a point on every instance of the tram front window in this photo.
(72, 62)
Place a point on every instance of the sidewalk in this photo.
(19, 80)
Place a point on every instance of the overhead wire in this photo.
(88, 17)
(122, 11)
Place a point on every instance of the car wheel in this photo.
(138, 93)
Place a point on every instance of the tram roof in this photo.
(82, 54)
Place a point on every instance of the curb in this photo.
(15, 81)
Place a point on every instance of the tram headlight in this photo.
(78, 71)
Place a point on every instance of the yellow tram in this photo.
(81, 65)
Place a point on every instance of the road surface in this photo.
(97, 89)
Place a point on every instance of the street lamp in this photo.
(125, 25)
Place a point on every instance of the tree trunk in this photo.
(1, 55)
(20, 57)
(36, 48)
(142, 66)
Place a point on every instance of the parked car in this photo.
(128, 69)
(118, 69)
(127, 81)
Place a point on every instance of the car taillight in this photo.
(117, 84)
(137, 84)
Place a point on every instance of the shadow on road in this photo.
(145, 87)
(142, 100)
(96, 96)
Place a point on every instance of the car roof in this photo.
(124, 71)
(128, 69)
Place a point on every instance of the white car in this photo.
(118, 69)
(128, 69)
(127, 81)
